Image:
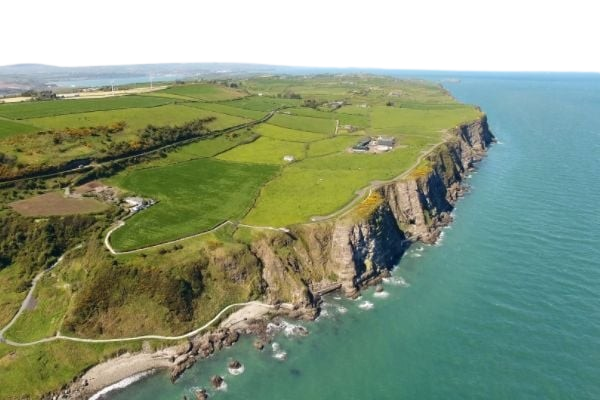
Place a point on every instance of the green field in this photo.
(204, 92)
(292, 135)
(138, 118)
(10, 128)
(265, 151)
(263, 103)
(224, 108)
(193, 197)
(309, 124)
(37, 109)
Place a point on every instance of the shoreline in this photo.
(403, 200)
(123, 370)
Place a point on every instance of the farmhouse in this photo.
(136, 204)
(362, 146)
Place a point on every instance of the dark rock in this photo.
(259, 344)
(234, 364)
(231, 338)
(216, 381)
(201, 394)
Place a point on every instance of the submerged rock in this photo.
(216, 381)
(201, 394)
(259, 344)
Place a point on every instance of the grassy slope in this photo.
(205, 92)
(11, 128)
(194, 196)
(39, 109)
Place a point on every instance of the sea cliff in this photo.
(354, 249)
(358, 246)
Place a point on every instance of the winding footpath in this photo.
(28, 300)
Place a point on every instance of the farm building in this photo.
(289, 158)
(385, 141)
(134, 201)
(362, 145)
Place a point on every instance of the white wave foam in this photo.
(278, 353)
(381, 295)
(223, 387)
(121, 384)
(396, 281)
(287, 328)
(237, 371)
(341, 309)
(337, 297)
(366, 305)
(440, 239)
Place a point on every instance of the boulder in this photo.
(259, 344)
(201, 394)
(216, 381)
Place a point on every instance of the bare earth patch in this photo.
(54, 203)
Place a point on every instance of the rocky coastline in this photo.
(357, 249)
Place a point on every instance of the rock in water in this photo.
(201, 394)
(259, 344)
(216, 381)
(235, 364)
(379, 289)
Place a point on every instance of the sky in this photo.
(493, 65)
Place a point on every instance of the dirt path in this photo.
(144, 337)
(26, 304)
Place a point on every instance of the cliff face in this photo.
(358, 246)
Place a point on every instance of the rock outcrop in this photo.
(358, 246)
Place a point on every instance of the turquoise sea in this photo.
(506, 306)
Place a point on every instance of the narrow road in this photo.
(145, 337)
(122, 223)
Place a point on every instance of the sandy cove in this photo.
(250, 319)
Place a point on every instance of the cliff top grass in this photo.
(240, 175)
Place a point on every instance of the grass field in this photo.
(292, 135)
(204, 92)
(138, 118)
(37, 109)
(224, 108)
(263, 103)
(11, 128)
(309, 124)
(193, 196)
(54, 203)
(265, 151)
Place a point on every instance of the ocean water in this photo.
(505, 306)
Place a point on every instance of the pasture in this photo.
(12, 128)
(204, 92)
(193, 196)
(38, 109)
(265, 150)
